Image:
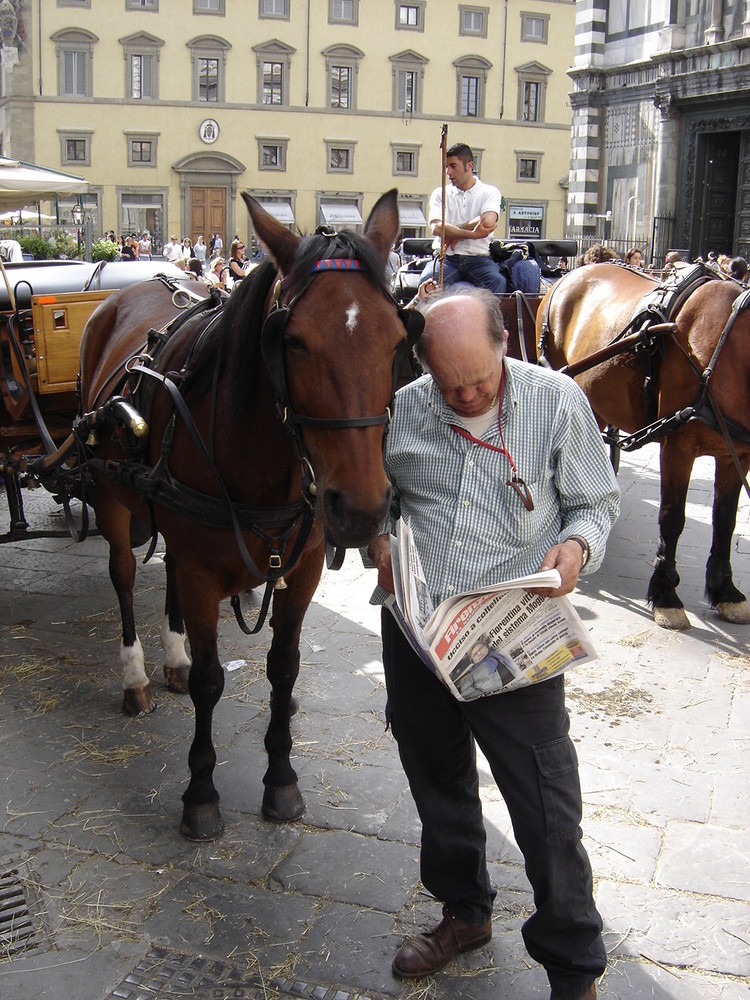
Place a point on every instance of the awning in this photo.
(411, 215)
(27, 184)
(280, 210)
(339, 213)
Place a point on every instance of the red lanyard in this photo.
(515, 481)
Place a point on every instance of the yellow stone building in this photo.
(171, 108)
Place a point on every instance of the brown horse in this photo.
(265, 415)
(591, 309)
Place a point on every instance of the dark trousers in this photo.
(524, 736)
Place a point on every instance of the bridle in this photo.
(272, 347)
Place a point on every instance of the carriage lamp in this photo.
(77, 213)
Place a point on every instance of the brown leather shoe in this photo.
(590, 994)
(423, 955)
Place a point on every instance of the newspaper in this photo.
(490, 640)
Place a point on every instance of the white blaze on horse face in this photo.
(352, 314)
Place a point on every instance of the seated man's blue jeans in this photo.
(472, 268)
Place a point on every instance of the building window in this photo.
(209, 57)
(208, 80)
(209, 7)
(471, 82)
(141, 148)
(75, 59)
(141, 77)
(532, 91)
(343, 11)
(142, 5)
(341, 87)
(141, 66)
(531, 109)
(408, 82)
(274, 61)
(274, 8)
(473, 21)
(342, 63)
(410, 16)
(272, 82)
(528, 167)
(74, 3)
(534, 27)
(340, 157)
(272, 153)
(405, 160)
(143, 211)
(470, 96)
(75, 148)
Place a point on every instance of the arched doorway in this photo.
(208, 193)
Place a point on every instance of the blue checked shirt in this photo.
(470, 528)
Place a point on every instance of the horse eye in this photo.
(292, 343)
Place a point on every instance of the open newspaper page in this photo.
(490, 640)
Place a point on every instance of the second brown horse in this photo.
(590, 309)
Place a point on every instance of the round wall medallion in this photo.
(209, 130)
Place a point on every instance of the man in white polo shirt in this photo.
(472, 209)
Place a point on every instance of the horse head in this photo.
(332, 340)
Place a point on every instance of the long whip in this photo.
(444, 158)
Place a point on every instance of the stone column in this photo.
(715, 31)
(667, 156)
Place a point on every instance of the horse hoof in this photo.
(737, 613)
(138, 701)
(283, 805)
(201, 822)
(672, 618)
(176, 679)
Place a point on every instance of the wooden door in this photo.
(208, 213)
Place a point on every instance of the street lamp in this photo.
(77, 214)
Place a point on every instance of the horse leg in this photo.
(114, 522)
(282, 800)
(676, 466)
(176, 662)
(729, 602)
(201, 817)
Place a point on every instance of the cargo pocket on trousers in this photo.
(559, 786)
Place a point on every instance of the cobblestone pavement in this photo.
(101, 898)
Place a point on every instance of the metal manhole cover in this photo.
(17, 929)
(164, 975)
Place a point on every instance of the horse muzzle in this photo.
(349, 521)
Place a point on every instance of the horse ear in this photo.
(281, 243)
(382, 225)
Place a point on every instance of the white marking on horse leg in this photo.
(173, 643)
(133, 667)
(352, 315)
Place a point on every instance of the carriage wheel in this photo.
(612, 437)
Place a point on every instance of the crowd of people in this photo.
(723, 265)
(203, 261)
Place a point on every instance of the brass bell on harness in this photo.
(280, 584)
